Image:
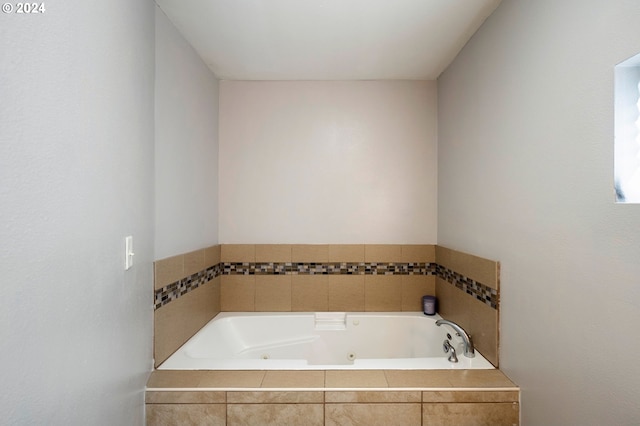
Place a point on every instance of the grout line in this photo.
(357, 389)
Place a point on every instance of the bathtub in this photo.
(321, 341)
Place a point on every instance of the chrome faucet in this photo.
(469, 350)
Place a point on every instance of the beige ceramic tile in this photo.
(216, 294)
(413, 288)
(309, 293)
(480, 379)
(186, 397)
(480, 269)
(273, 253)
(346, 293)
(237, 293)
(346, 253)
(293, 379)
(419, 253)
(373, 396)
(277, 397)
(167, 271)
(382, 293)
(373, 414)
(193, 262)
(212, 256)
(476, 317)
(355, 379)
(471, 396)
(230, 379)
(476, 414)
(186, 414)
(174, 379)
(418, 378)
(382, 253)
(310, 253)
(275, 414)
(273, 293)
(177, 321)
(205, 379)
(238, 253)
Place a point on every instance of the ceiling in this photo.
(327, 39)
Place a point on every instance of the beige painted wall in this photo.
(328, 162)
(186, 145)
(526, 177)
(76, 173)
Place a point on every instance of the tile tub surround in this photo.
(187, 292)
(178, 275)
(479, 315)
(327, 277)
(332, 397)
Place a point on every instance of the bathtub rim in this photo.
(413, 364)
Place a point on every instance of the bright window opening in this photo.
(627, 131)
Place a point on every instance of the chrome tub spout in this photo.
(469, 350)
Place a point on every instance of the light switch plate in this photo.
(128, 252)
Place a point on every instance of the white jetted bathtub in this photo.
(321, 341)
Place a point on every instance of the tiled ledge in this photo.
(329, 380)
(332, 397)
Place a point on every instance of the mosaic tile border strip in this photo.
(173, 291)
(483, 293)
(332, 268)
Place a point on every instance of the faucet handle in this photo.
(447, 347)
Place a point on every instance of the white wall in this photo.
(328, 162)
(526, 177)
(76, 173)
(186, 151)
(627, 148)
